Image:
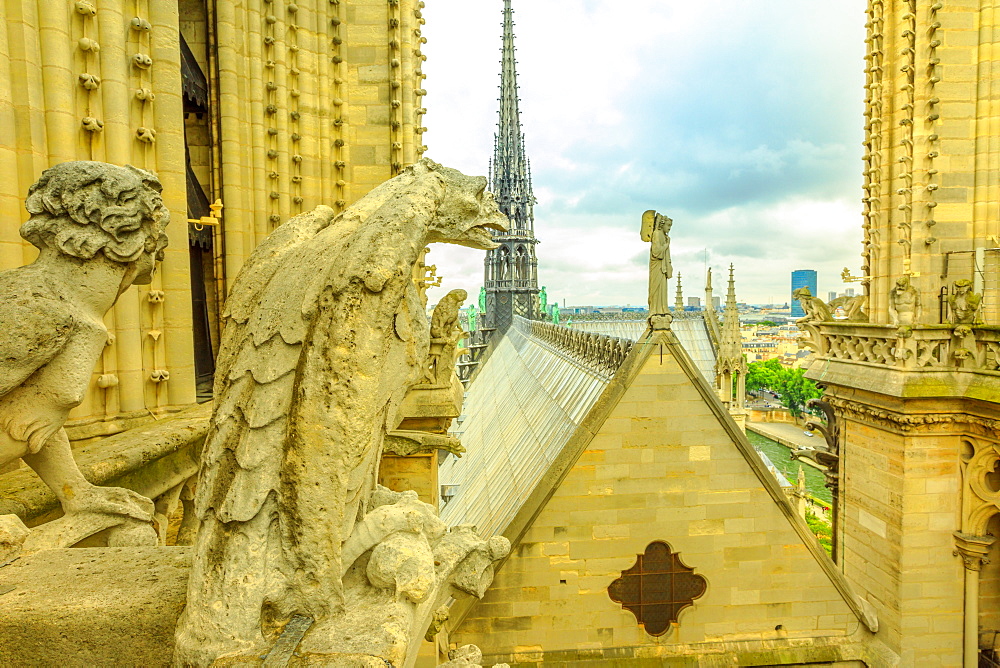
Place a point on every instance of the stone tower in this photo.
(511, 276)
(730, 365)
(912, 376)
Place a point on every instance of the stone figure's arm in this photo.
(35, 329)
(659, 244)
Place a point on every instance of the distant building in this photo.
(831, 295)
(849, 292)
(694, 302)
(717, 303)
(802, 278)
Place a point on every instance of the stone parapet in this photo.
(632, 316)
(965, 347)
(599, 352)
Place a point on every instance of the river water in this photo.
(781, 457)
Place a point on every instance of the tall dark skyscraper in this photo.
(511, 276)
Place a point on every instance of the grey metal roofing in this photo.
(524, 405)
(692, 333)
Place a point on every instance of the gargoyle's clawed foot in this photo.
(111, 501)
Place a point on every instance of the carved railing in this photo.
(919, 347)
(513, 284)
(629, 316)
(598, 352)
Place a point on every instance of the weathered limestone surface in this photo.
(325, 336)
(90, 607)
(668, 464)
(98, 229)
(148, 460)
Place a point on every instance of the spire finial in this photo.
(511, 177)
(679, 299)
(730, 356)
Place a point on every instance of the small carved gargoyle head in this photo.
(83, 208)
(465, 212)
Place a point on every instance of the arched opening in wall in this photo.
(989, 593)
(522, 263)
(200, 143)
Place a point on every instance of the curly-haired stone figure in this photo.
(98, 229)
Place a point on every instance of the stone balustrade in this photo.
(599, 352)
(973, 348)
(630, 316)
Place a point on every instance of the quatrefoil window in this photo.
(657, 588)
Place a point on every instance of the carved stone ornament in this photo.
(904, 303)
(98, 229)
(657, 588)
(851, 309)
(656, 231)
(467, 656)
(600, 353)
(897, 420)
(324, 337)
(816, 312)
(827, 456)
(964, 303)
(445, 335)
(973, 550)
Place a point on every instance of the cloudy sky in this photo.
(740, 119)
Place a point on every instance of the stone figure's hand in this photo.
(111, 501)
(32, 427)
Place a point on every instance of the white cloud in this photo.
(741, 120)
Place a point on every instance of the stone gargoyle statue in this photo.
(964, 303)
(816, 312)
(446, 332)
(324, 336)
(98, 229)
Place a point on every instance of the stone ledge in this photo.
(92, 606)
(149, 460)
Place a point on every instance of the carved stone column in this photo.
(973, 550)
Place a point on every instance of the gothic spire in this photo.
(679, 299)
(511, 172)
(730, 357)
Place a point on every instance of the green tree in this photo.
(795, 389)
(763, 375)
(767, 323)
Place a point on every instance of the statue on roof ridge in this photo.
(656, 232)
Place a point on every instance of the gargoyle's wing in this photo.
(367, 338)
(35, 329)
(254, 374)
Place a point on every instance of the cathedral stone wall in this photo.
(932, 153)
(663, 467)
(310, 102)
(915, 402)
(900, 500)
